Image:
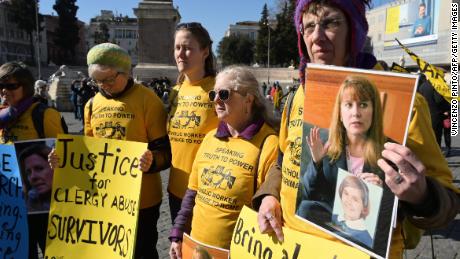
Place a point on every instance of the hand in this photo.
(175, 251)
(317, 149)
(53, 159)
(270, 217)
(410, 183)
(370, 178)
(145, 161)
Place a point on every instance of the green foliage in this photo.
(285, 37)
(262, 38)
(236, 50)
(101, 35)
(68, 30)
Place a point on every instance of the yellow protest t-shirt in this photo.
(191, 118)
(137, 115)
(223, 175)
(23, 128)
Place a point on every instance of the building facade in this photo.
(121, 30)
(402, 20)
(14, 42)
(246, 28)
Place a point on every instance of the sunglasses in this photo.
(222, 94)
(9, 86)
(188, 25)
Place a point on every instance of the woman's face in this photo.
(352, 203)
(190, 58)
(12, 96)
(325, 35)
(39, 173)
(231, 109)
(356, 115)
(111, 81)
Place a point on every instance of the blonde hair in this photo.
(363, 90)
(243, 81)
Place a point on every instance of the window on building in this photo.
(118, 33)
(2, 32)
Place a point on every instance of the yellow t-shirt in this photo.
(24, 128)
(223, 176)
(138, 115)
(420, 140)
(192, 117)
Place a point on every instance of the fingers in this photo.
(175, 251)
(145, 161)
(53, 159)
(276, 225)
(371, 178)
(401, 155)
(269, 217)
(390, 174)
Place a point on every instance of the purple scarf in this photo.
(9, 114)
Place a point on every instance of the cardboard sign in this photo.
(248, 242)
(95, 198)
(13, 217)
(195, 249)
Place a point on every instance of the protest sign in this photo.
(36, 173)
(13, 215)
(195, 249)
(319, 184)
(248, 242)
(95, 198)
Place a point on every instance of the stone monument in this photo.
(157, 20)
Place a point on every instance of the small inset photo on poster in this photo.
(195, 249)
(36, 173)
(356, 208)
(349, 114)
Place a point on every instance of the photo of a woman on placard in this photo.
(355, 143)
(352, 208)
(34, 166)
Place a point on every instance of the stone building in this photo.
(246, 28)
(122, 30)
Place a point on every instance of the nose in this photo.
(356, 111)
(180, 52)
(318, 34)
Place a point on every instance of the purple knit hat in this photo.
(355, 10)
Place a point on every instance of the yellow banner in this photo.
(95, 198)
(432, 73)
(392, 24)
(397, 68)
(248, 242)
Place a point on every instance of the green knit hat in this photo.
(111, 55)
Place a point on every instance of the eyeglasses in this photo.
(9, 86)
(223, 94)
(328, 24)
(188, 25)
(107, 81)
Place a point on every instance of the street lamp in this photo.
(268, 53)
(38, 40)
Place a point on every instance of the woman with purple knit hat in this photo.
(333, 32)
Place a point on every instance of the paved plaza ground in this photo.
(444, 243)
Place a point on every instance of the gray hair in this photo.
(244, 81)
(104, 68)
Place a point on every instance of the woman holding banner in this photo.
(17, 123)
(191, 113)
(230, 164)
(125, 110)
(333, 32)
